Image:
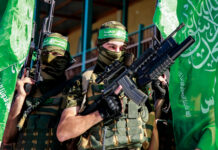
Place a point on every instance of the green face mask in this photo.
(107, 57)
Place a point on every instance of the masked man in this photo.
(117, 122)
(39, 130)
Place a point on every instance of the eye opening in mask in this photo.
(53, 52)
(114, 45)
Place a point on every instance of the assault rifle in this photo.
(28, 62)
(149, 66)
(46, 30)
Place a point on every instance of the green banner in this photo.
(16, 21)
(216, 108)
(193, 79)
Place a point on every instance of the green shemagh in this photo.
(106, 57)
(55, 65)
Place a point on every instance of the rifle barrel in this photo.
(182, 47)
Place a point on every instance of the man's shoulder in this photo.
(78, 85)
(88, 72)
(86, 76)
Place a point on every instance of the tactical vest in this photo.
(129, 131)
(39, 132)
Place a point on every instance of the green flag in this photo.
(193, 77)
(16, 21)
(216, 107)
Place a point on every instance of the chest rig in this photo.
(40, 128)
(128, 131)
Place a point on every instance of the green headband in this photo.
(55, 41)
(113, 33)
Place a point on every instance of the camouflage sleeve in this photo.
(74, 95)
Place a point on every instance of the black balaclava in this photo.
(55, 59)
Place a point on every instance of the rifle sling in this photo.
(57, 89)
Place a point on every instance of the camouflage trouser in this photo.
(40, 139)
(10, 146)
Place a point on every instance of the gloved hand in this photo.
(128, 59)
(110, 107)
(159, 89)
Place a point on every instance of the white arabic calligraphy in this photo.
(21, 26)
(171, 17)
(202, 25)
(184, 99)
(209, 103)
(4, 97)
(13, 69)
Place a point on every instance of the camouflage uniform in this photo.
(130, 131)
(39, 131)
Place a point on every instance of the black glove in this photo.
(110, 107)
(159, 89)
(128, 59)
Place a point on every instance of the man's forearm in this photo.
(72, 126)
(11, 126)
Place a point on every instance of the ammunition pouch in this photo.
(39, 131)
(128, 131)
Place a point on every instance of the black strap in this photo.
(57, 89)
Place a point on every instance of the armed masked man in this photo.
(39, 129)
(117, 122)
